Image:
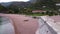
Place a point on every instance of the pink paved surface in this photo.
(56, 18)
(21, 26)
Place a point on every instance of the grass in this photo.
(36, 14)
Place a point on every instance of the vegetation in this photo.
(2, 7)
(47, 5)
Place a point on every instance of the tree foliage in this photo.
(2, 7)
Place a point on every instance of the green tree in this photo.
(2, 7)
(50, 4)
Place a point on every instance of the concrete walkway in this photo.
(23, 24)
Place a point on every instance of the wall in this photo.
(6, 27)
(44, 28)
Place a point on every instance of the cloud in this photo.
(12, 0)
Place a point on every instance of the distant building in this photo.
(38, 11)
(57, 4)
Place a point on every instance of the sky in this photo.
(13, 0)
